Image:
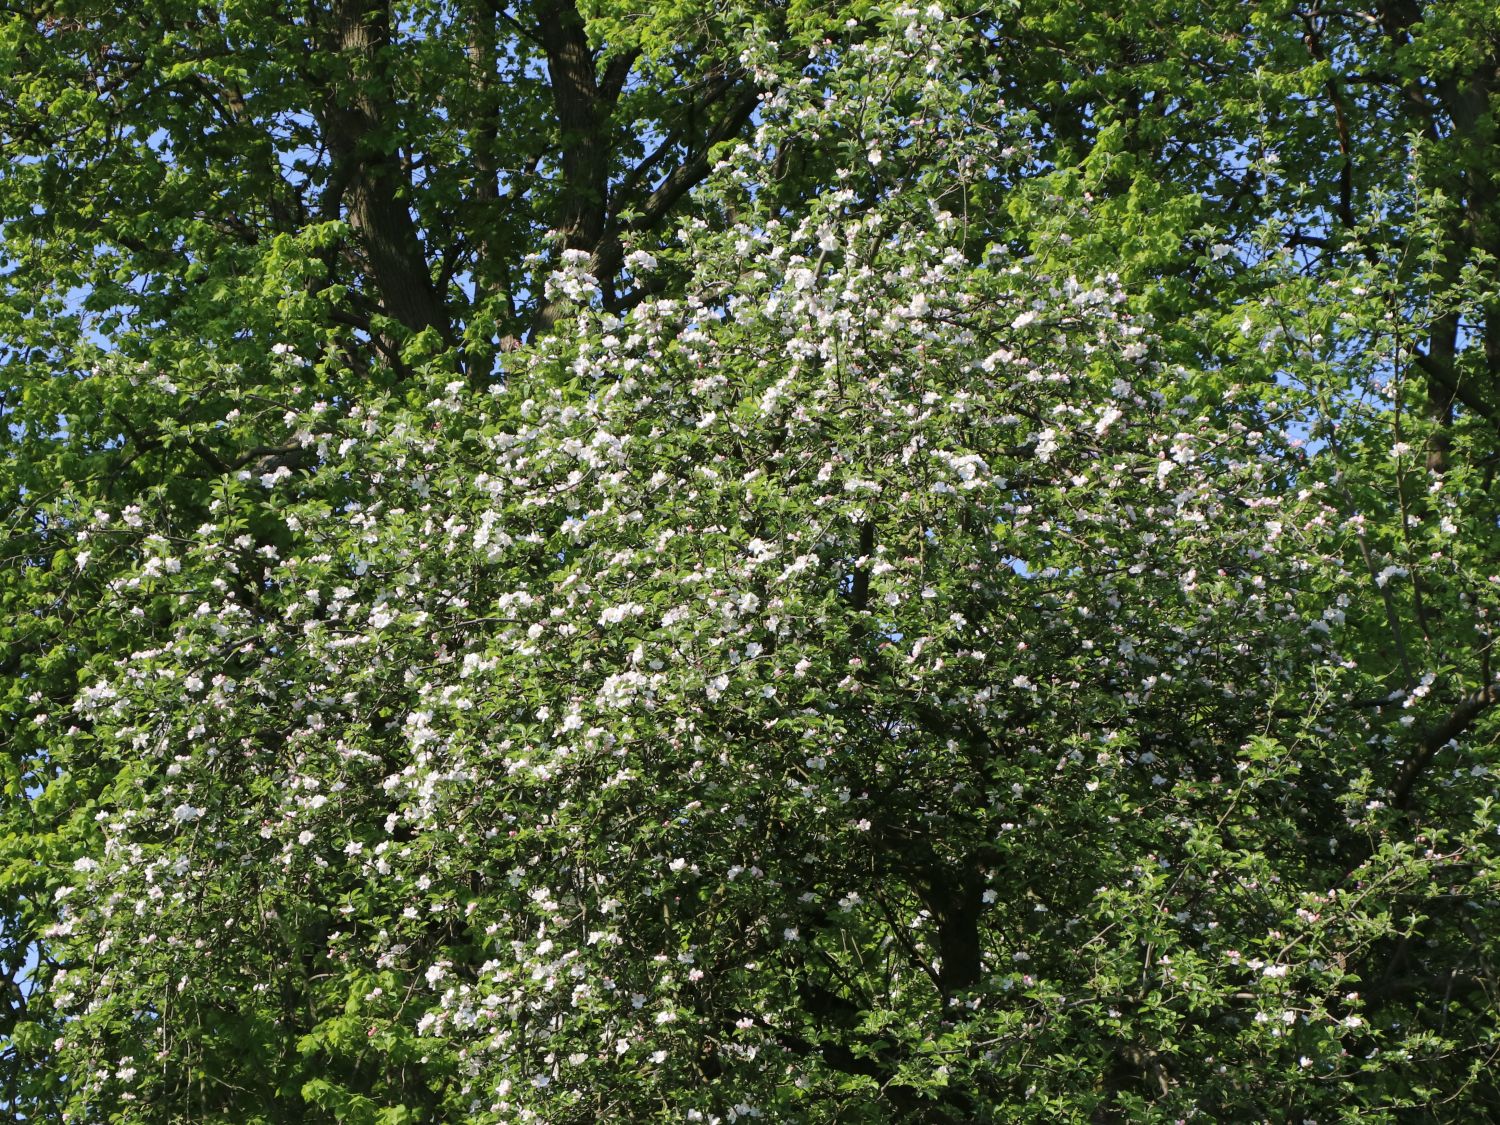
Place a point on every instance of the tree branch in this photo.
(1459, 720)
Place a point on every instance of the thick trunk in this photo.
(581, 115)
(368, 168)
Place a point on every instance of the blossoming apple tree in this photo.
(879, 681)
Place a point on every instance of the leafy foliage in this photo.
(952, 614)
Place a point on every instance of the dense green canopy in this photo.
(811, 561)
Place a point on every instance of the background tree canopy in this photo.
(805, 561)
